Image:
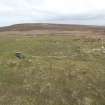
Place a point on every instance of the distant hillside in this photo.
(45, 26)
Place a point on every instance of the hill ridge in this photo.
(49, 26)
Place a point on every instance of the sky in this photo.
(88, 12)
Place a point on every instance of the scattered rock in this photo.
(19, 55)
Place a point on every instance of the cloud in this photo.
(80, 11)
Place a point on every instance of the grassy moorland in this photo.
(55, 71)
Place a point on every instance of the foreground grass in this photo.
(55, 71)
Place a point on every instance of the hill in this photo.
(37, 29)
(46, 26)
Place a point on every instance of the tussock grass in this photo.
(56, 71)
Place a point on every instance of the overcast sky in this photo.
(52, 11)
